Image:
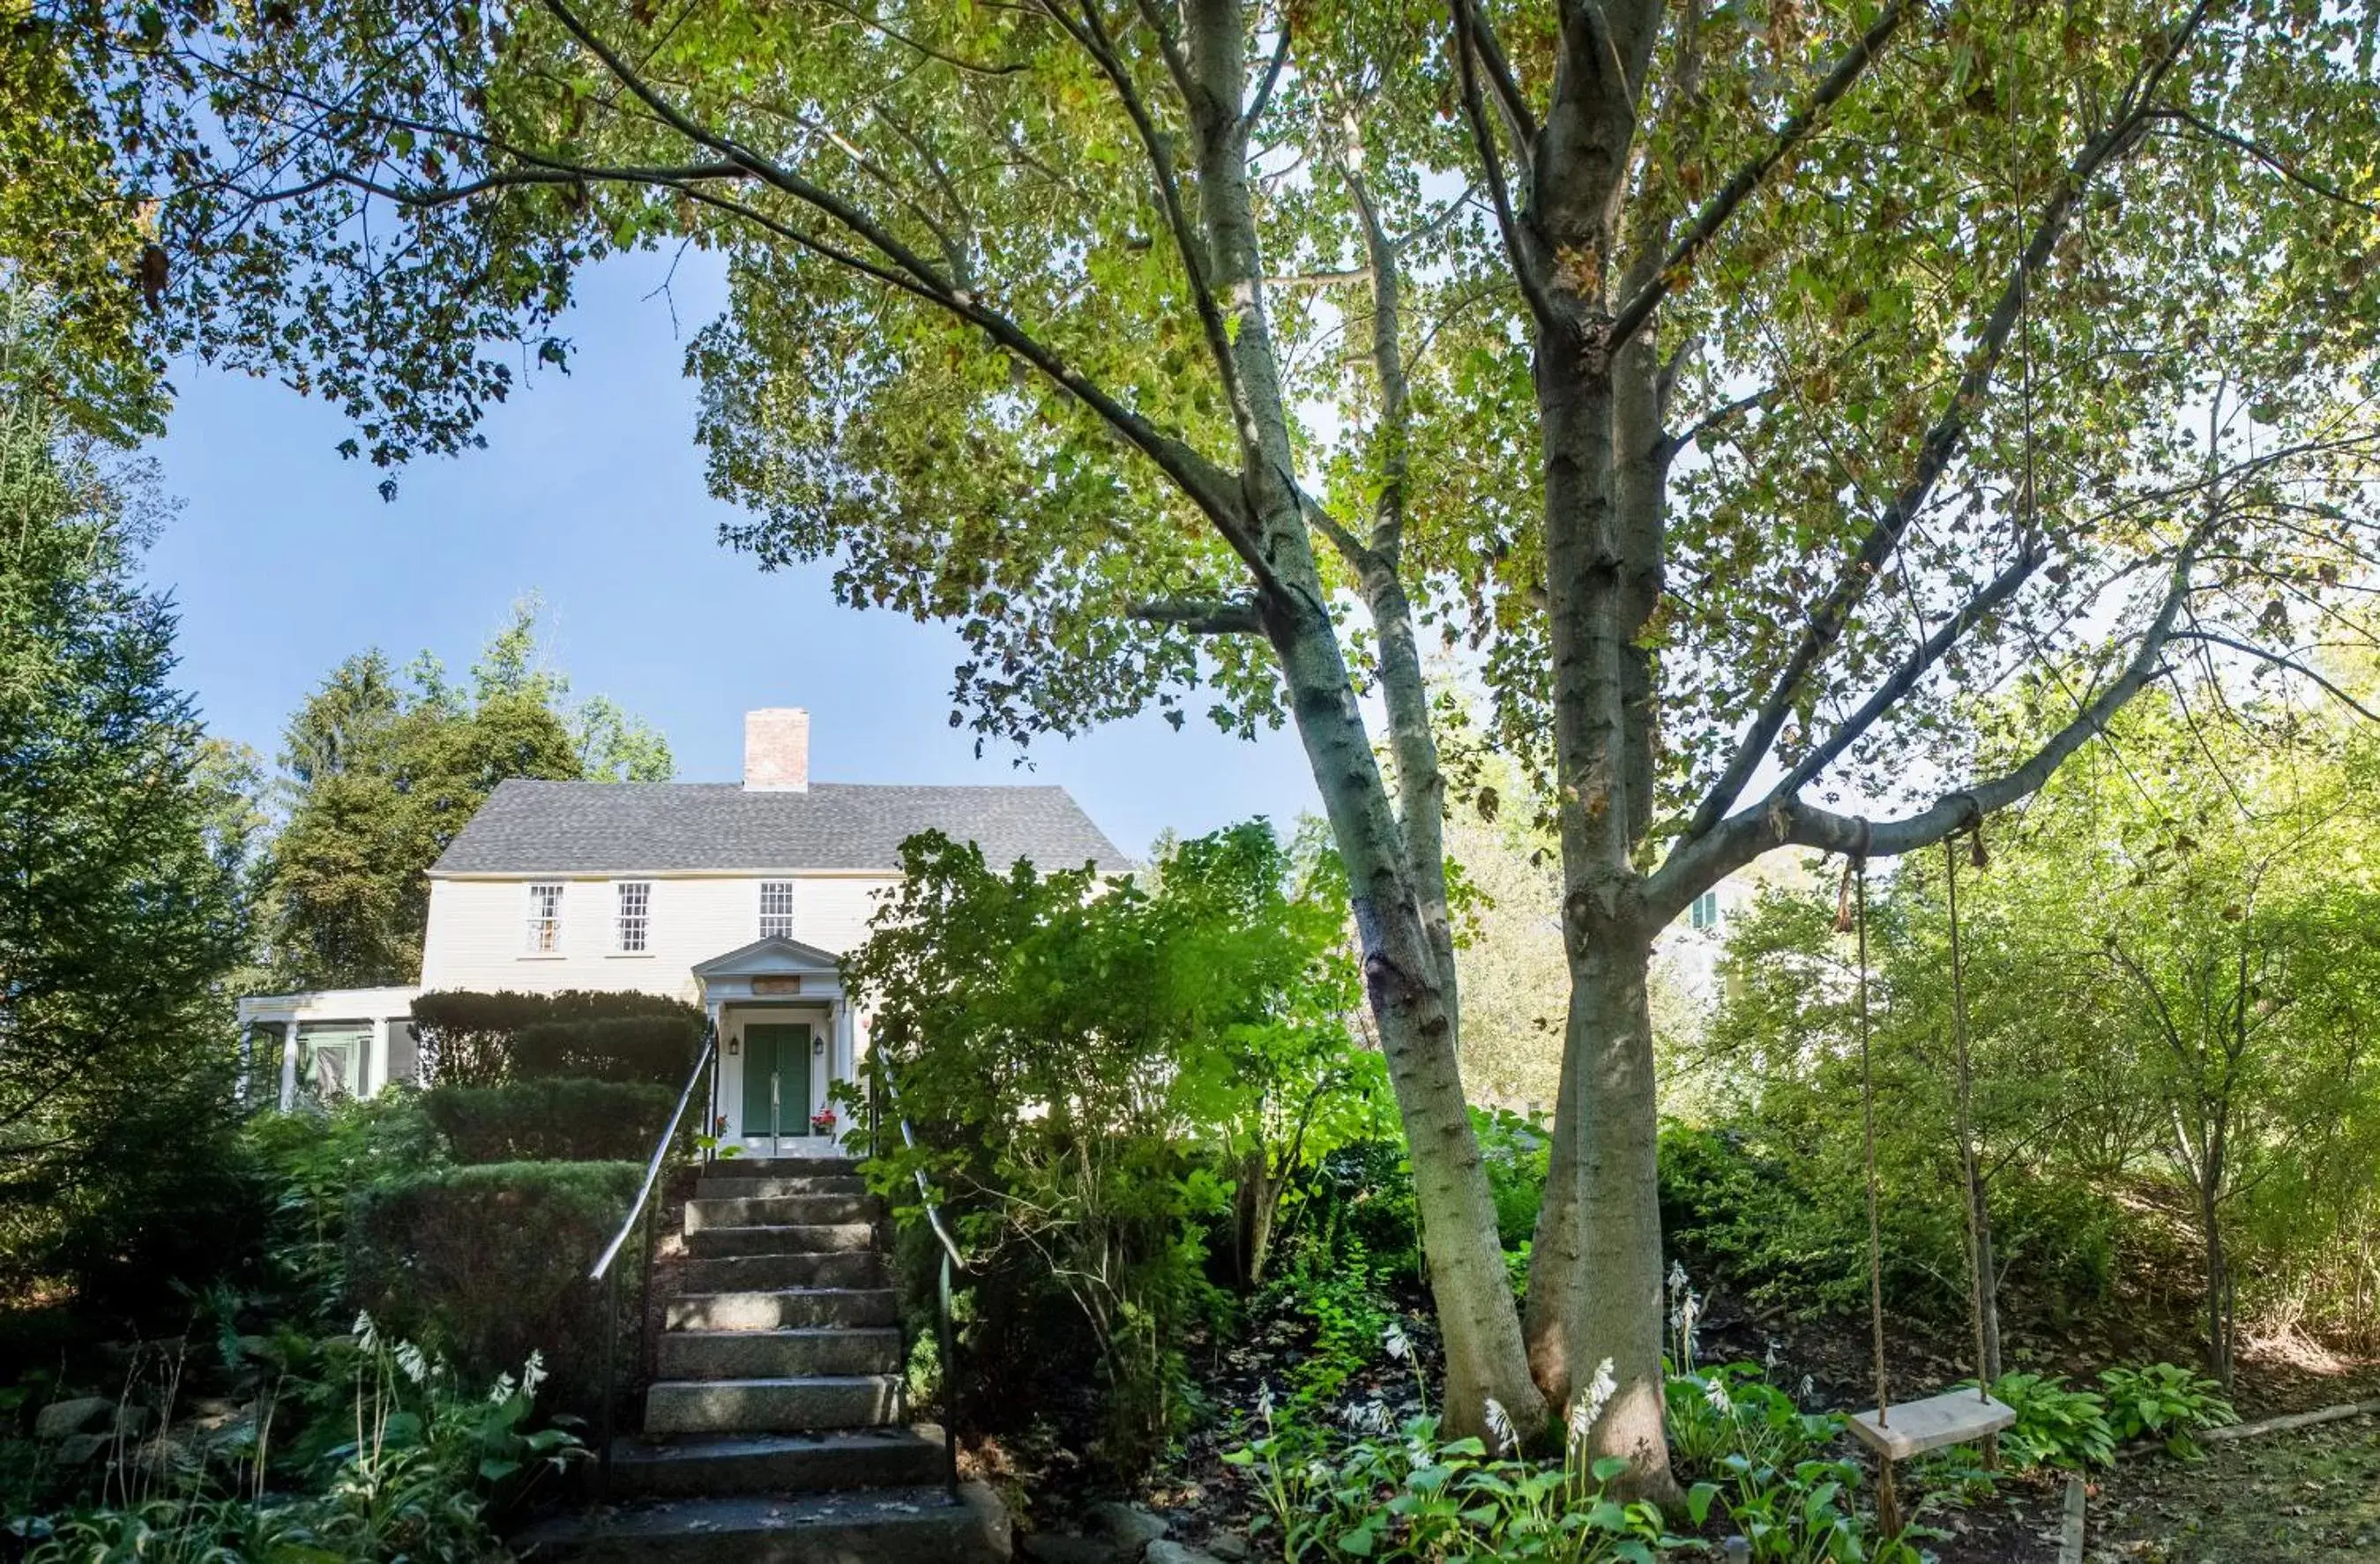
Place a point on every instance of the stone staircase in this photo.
(774, 1431)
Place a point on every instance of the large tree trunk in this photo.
(1410, 989)
(1469, 1283)
(1594, 1286)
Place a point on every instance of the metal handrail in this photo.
(661, 1154)
(880, 1080)
(603, 1273)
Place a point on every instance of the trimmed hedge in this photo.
(539, 1121)
(477, 1040)
(484, 1265)
(651, 1048)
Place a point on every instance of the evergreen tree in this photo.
(121, 845)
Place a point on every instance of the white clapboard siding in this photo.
(478, 938)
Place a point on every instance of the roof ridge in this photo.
(550, 825)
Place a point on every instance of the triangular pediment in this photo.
(770, 957)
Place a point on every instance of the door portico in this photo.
(786, 1034)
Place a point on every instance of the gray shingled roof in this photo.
(626, 827)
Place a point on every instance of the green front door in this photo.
(777, 1078)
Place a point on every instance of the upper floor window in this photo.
(776, 909)
(545, 919)
(1705, 912)
(636, 915)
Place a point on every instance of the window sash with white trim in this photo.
(776, 909)
(636, 916)
(545, 919)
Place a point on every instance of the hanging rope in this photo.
(1887, 1504)
(1970, 1179)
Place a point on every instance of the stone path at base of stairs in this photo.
(777, 1431)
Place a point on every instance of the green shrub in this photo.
(1364, 1194)
(2055, 1425)
(316, 1159)
(653, 1049)
(1515, 1150)
(2165, 1402)
(477, 1040)
(1335, 1291)
(1104, 1077)
(486, 1265)
(537, 1120)
(1797, 1513)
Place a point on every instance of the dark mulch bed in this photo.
(1202, 1496)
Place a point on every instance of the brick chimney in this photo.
(777, 750)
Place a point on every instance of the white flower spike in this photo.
(1590, 1403)
(1500, 1428)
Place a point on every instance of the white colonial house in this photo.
(736, 897)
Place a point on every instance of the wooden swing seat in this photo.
(1954, 1417)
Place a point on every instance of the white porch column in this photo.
(718, 1111)
(289, 1064)
(376, 1071)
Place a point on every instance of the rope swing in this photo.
(1955, 1417)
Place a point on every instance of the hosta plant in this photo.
(1421, 1497)
(1716, 1413)
(2164, 1401)
(2055, 1426)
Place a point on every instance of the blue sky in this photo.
(282, 560)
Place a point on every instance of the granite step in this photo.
(746, 1273)
(779, 1463)
(774, 1405)
(783, 1308)
(783, 1210)
(736, 1186)
(913, 1526)
(762, 1354)
(780, 1167)
(808, 1238)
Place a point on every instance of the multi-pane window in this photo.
(636, 915)
(1705, 912)
(545, 919)
(334, 1059)
(776, 909)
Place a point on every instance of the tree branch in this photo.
(1710, 424)
(1204, 483)
(1094, 38)
(1483, 137)
(1388, 363)
(2280, 659)
(1782, 821)
(1263, 99)
(1715, 212)
(2264, 155)
(973, 67)
(1904, 678)
(1519, 122)
(1941, 444)
(1204, 616)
